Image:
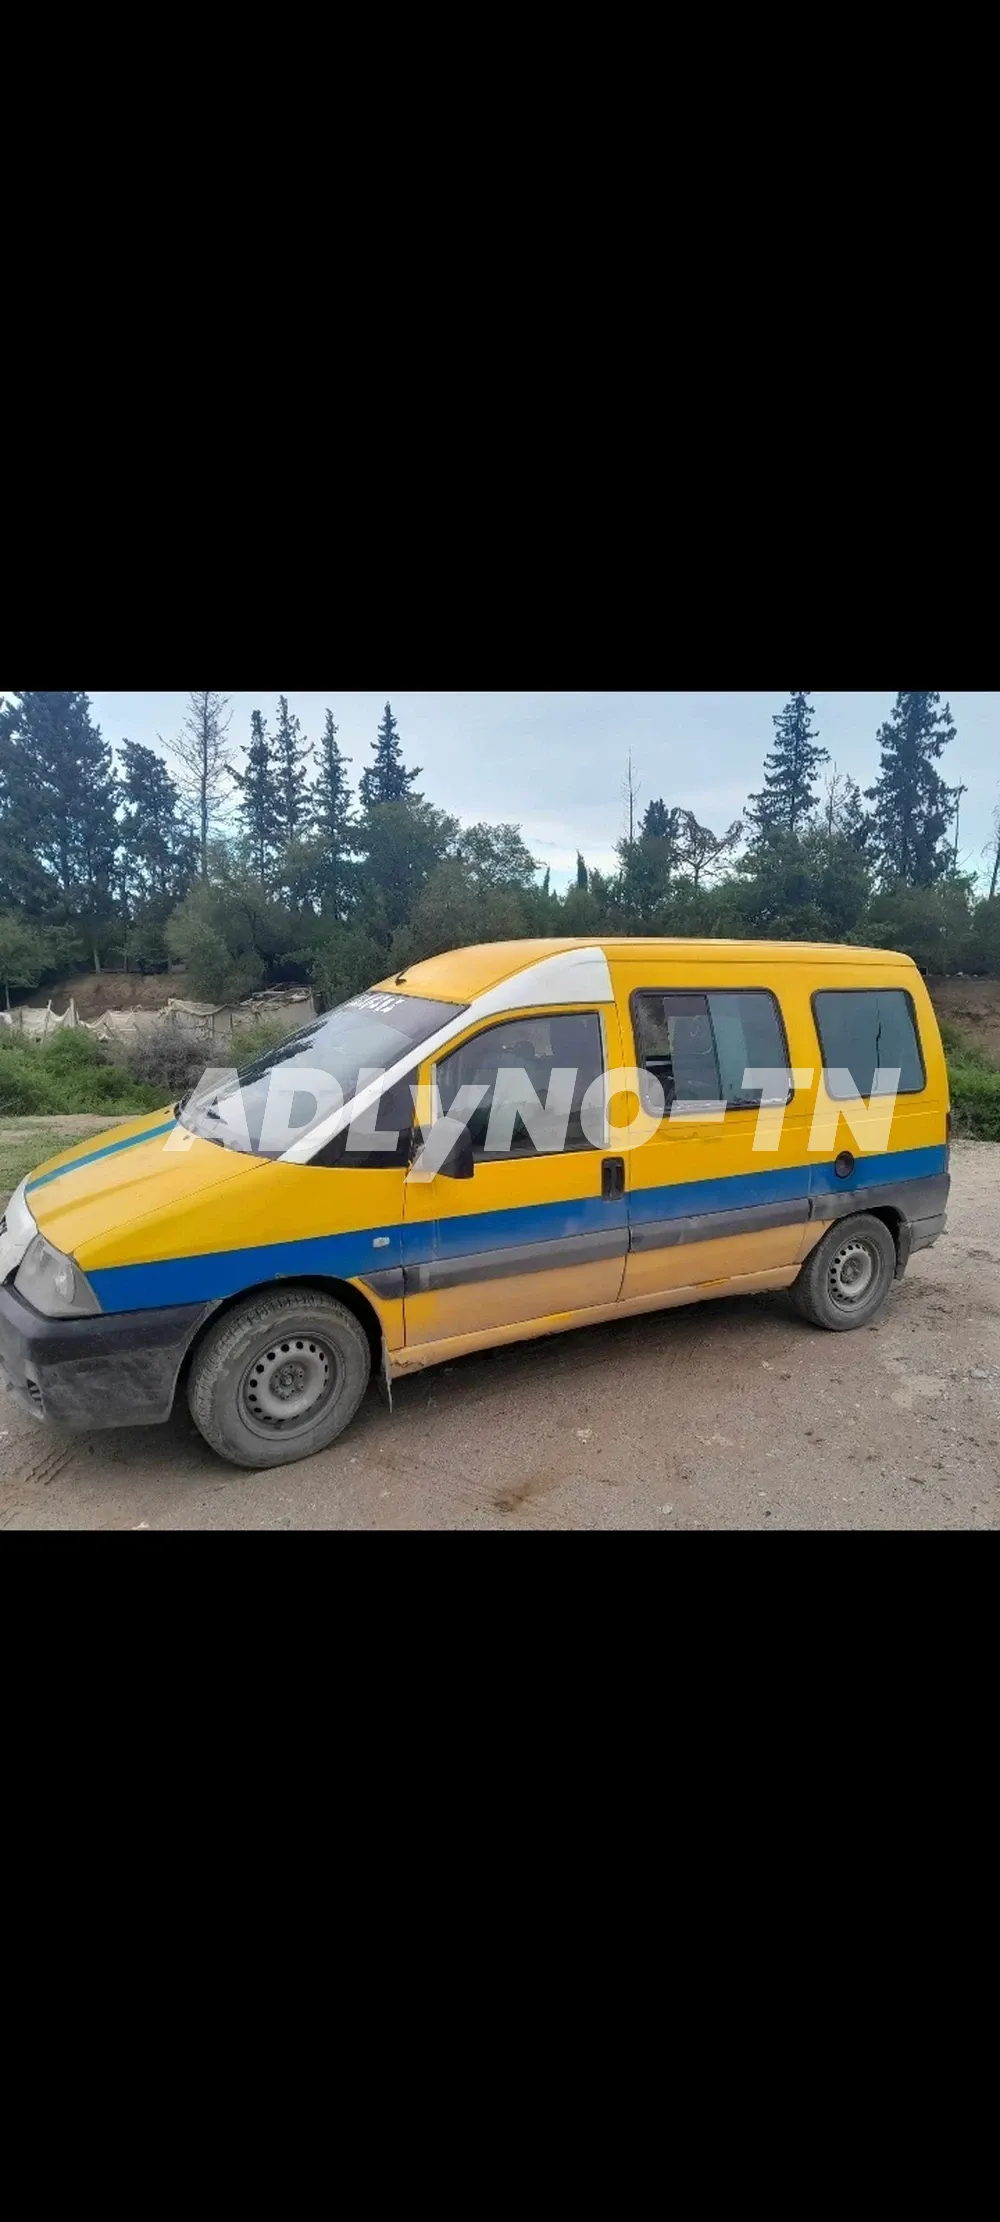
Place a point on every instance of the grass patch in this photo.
(20, 1153)
(975, 1101)
(72, 1073)
(69, 1073)
(975, 1088)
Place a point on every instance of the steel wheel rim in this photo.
(288, 1384)
(852, 1274)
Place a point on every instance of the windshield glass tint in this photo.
(366, 1035)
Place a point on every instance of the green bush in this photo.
(173, 1063)
(984, 947)
(930, 924)
(975, 1100)
(231, 937)
(68, 1073)
(147, 948)
(72, 1072)
(168, 1061)
(975, 1087)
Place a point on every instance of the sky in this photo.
(555, 763)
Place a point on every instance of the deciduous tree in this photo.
(200, 750)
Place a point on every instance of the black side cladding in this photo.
(921, 1206)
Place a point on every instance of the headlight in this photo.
(52, 1283)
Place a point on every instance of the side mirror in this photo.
(459, 1163)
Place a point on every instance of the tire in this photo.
(847, 1277)
(279, 1377)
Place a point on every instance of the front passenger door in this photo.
(536, 1233)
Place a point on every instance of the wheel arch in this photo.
(346, 1293)
(898, 1226)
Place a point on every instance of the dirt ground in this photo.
(97, 992)
(728, 1415)
(973, 1006)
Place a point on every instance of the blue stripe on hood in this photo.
(111, 1149)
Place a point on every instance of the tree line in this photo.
(274, 867)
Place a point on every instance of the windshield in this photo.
(276, 1100)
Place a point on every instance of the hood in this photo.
(88, 1197)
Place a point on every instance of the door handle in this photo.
(613, 1177)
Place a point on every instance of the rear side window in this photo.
(862, 1030)
(699, 1046)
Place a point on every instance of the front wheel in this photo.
(279, 1377)
(847, 1277)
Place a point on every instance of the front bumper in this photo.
(118, 1369)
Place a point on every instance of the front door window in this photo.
(533, 1075)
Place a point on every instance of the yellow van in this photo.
(502, 1142)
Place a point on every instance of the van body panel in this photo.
(424, 1355)
(163, 1222)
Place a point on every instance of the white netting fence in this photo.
(210, 1024)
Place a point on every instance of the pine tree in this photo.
(844, 815)
(23, 882)
(648, 864)
(332, 810)
(65, 797)
(855, 823)
(913, 806)
(581, 873)
(261, 803)
(657, 824)
(292, 757)
(200, 749)
(788, 797)
(159, 849)
(387, 780)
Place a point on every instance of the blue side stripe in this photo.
(735, 1191)
(199, 1280)
(425, 1242)
(686, 1199)
(111, 1149)
(217, 1274)
(875, 1172)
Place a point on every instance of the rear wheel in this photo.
(847, 1277)
(279, 1377)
